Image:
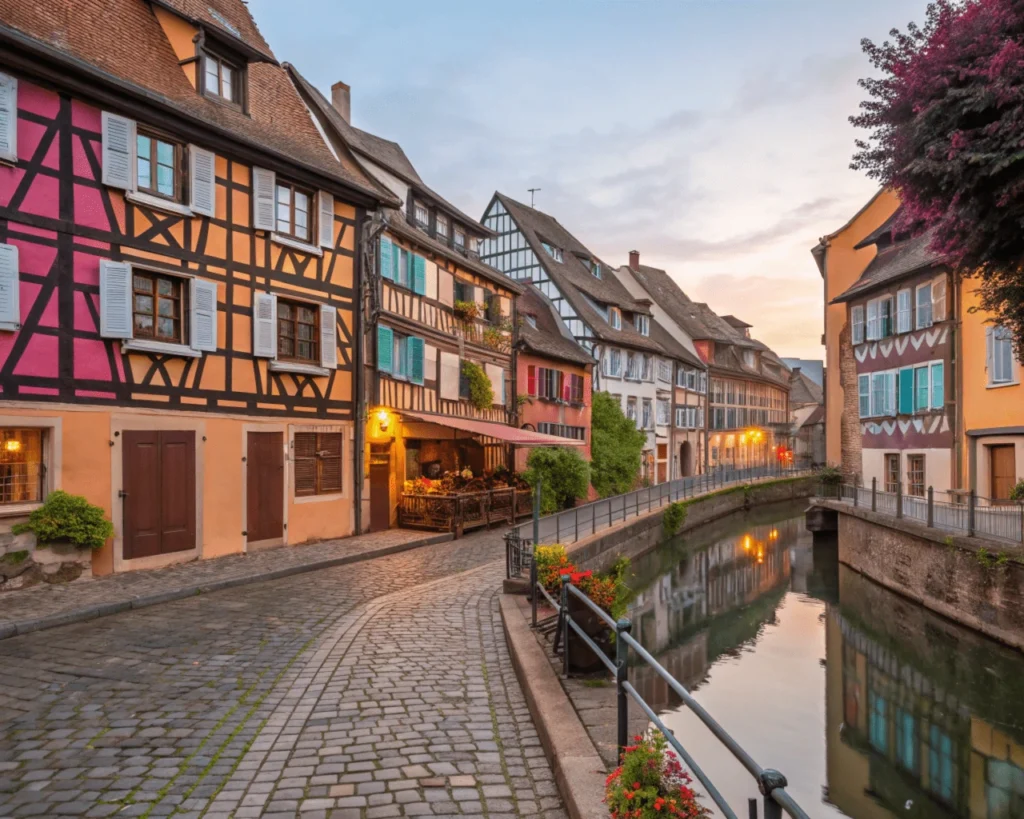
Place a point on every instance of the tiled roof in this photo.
(123, 44)
(673, 347)
(893, 263)
(574, 280)
(225, 17)
(802, 390)
(739, 324)
(550, 338)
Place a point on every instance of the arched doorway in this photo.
(686, 459)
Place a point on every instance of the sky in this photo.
(710, 135)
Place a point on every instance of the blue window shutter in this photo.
(938, 386)
(416, 359)
(907, 391)
(385, 348)
(387, 252)
(419, 275)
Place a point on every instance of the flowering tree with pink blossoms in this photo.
(946, 122)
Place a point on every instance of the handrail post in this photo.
(970, 514)
(558, 527)
(576, 527)
(533, 585)
(931, 507)
(856, 496)
(536, 512)
(566, 580)
(624, 626)
(899, 499)
(874, 494)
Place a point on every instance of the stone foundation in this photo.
(23, 564)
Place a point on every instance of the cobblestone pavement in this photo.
(28, 609)
(376, 689)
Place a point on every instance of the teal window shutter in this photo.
(907, 391)
(938, 385)
(387, 253)
(419, 275)
(416, 359)
(385, 348)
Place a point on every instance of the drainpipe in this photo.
(960, 479)
(358, 377)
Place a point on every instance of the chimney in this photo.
(341, 99)
(634, 260)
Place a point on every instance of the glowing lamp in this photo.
(382, 420)
(746, 542)
(12, 445)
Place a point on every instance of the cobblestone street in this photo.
(375, 689)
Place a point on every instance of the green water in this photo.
(870, 704)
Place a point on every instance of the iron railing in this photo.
(771, 783)
(962, 512)
(583, 521)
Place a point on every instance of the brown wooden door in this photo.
(264, 481)
(380, 487)
(159, 485)
(1004, 471)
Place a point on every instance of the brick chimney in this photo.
(341, 99)
(634, 260)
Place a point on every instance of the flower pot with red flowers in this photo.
(651, 784)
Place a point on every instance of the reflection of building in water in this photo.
(710, 603)
(901, 744)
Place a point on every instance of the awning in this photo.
(502, 432)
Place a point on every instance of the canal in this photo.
(871, 705)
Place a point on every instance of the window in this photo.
(892, 474)
(298, 331)
(595, 270)
(903, 311)
(864, 395)
(878, 404)
(680, 416)
(632, 367)
(1000, 356)
(642, 324)
(613, 362)
(549, 384)
(872, 322)
(21, 465)
(906, 740)
(460, 238)
(576, 389)
(648, 419)
(552, 251)
(924, 306)
(401, 356)
(664, 412)
(885, 317)
(942, 769)
(631, 409)
(702, 386)
(159, 305)
(403, 266)
(718, 419)
(615, 318)
(646, 367)
(318, 463)
(464, 291)
(421, 215)
(921, 389)
(878, 728)
(857, 319)
(938, 385)
(531, 320)
(158, 167)
(915, 475)
(563, 430)
(223, 79)
(664, 370)
(441, 227)
(293, 211)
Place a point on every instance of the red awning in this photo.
(502, 432)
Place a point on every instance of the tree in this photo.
(616, 446)
(564, 476)
(946, 118)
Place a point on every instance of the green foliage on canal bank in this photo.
(615, 449)
(675, 517)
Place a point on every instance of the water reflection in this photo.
(873, 706)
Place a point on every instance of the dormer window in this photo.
(642, 324)
(531, 320)
(222, 78)
(595, 269)
(442, 228)
(460, 238)
(615, 318)
(421, 215)
(552, 251)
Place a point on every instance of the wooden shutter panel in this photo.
(263, 184)
(328, 463)
(531, 380)
(450, 376)
(115, 299)
(419, 275)
(204, 315)
(264, 325)
(329, 337)
(906, 390)
(8, 118)
(326, 221)
(989, 350)
(10, 288)
(118, 152)
(497, 379)
(304, 463)
(387, 265)
(202, 180)
(385, 349)
(939, 299)
(416, 359)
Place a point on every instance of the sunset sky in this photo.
(711, 135)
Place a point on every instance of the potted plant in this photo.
(67, 519)
(650, 783)
(481, 394)
(466, 310)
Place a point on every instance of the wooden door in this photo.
(264, 482)
(159, 492)
(1004, 471)
(380, 487)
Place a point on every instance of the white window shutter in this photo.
(8, 118)
(450, 370)
(115, 299)
(989, 355)
(497, 379)
(264, 325)
(203, 180)
(329, 337)
(939, 299)
(118, 152)
(326, 220)
(263, 184)
(204, 315)
(10, 288)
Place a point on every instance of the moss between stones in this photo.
(15, 558)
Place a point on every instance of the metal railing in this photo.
(771, 783)
(962, 512)
(586, 520)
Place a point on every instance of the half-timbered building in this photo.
(178, 268)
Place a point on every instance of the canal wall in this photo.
(973, 581)
(640, 535)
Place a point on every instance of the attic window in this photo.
(460, 238)
(421, 214)
(222, 78)
(595, 269)
(615, 318)
(531, 320)
(642, 324)
(442, 227)
(552, 251)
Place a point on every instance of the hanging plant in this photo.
(467, 310)
(481, 394)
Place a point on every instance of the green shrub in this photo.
(830, 475)
(675, 517)
(564, 477)
(1017, 493)
(67, 517)
(616, 447)
(481, 394)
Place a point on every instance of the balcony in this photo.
(497, 337)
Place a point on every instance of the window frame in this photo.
(906, 312)
(915, 475)
(918, 324)
(440, 220)
(318, 488)
(458, 232)
(42, 469)
(857, 324)
(642, 323)
(310, 195)
(922, 383)
(239, 87)
(183, 299)
(1002, 339)
(864, 394)
(315, 341)
(180, 172)
(892, 486)
(615, 318)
